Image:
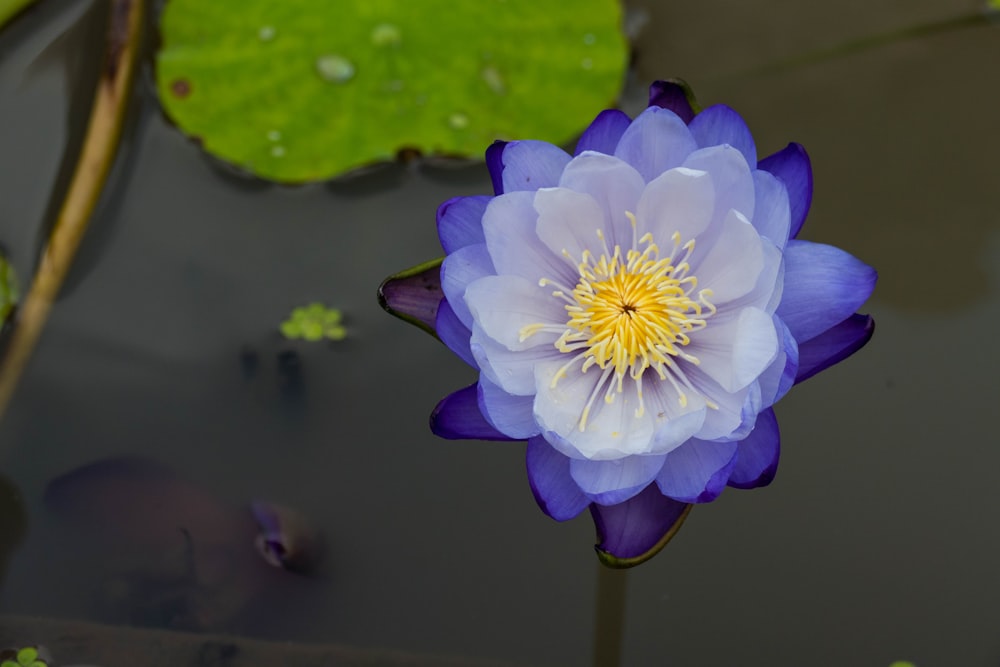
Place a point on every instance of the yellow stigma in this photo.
(630, 312)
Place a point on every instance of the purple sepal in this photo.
(757, 454)
(603, 134)
(632, 532)
(834, 345)
(457, 417)
(791, 164)
(414, 295)
(454, 334)
(554, 489)
(494, 162)
(460, 222)
(824, 285)
(675, 95)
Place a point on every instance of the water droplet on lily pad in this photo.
(278, 151)
(334, 68)
(589, 39)
(491, 75)
(274, 135)
(458, 121)
(587, 63)
(266, 33)
(386, 34)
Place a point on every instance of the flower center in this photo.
(630, 312)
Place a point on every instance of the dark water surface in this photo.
(878, 540)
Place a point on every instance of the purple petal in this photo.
(530, 165)
(757, 454)
(613, 482)
(791, 164)
(604, 133)
(672, 95)
(824, 285)
(458, 271)
(834, 345)
(548, 474)
(697, 471)
(414, 295)
(494, 163)
(460, 222)
(718, 125)
(510, 414)
(771, 213)
(779, 378)
(457, 417)
(634, 531)
(656, 140)
(454, 334)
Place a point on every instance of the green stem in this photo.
(609, 620)
(100, 145)
(11, 8)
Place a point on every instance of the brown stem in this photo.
(100, 145)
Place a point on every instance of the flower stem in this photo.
(609, 621)
(100, 145)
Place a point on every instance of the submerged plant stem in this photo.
(11, 8)
(100, 146)
(609, 622)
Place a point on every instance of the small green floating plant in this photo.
(25, 657)
(314, 323)
(9, 292)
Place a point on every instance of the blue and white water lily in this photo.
(634, 310)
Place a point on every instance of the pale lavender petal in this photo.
(673, 423)
(823, 286)
(414, 295)
(503, 306)
(494, 163)
(736, 351)
(460, 222)
(511, 415)
(727, 415)
(679, 200)
(732, 265)
(457, 417)
(613, 184)
(834, 345)
(757, 454)
(791, 164)
(771, 216)
(673, 96)
(548, 474)
(613, 482)
(454, 334)
(530, 164)
(513, 371)
(459, 269)
(780, 375)
(509, 225)
(567, 223)
(634, 531)
(697, 471)
(656, 140)
(604, 133)
(734, 186)
(719, 124)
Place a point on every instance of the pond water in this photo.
(877, 541)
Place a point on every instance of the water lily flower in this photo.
(634, 311)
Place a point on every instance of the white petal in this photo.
(772, 215)
(735, 351)
(509, 228)
(675, 423)
(614, 185)
(657, 140)
(727, 414)
(734, 186)
(568, 222)
(680, 200)
(731, 266)
(612, 482)
(503, 305)
(514, 372)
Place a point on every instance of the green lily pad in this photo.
(300, 90)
